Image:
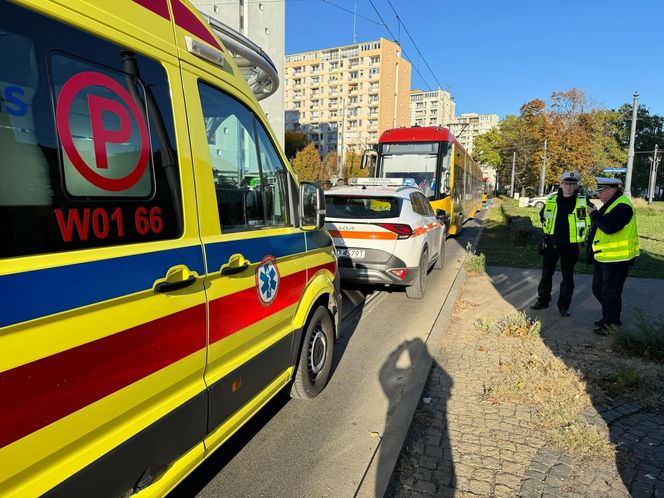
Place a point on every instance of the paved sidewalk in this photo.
(460, 444)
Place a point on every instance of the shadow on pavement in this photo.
(196, 482)
(429, 428)
(636, 430)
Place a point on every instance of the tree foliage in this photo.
(649, 131)
(294, 141)
(307, 164)
(352, 169)
(579, 135)
(330, 165)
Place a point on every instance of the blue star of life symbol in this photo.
(268, 281)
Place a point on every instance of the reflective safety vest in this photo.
(620, 246)
(579, 220)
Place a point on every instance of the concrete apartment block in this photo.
(469, 125)
(431, 108)
(345, 97)
(264, 24)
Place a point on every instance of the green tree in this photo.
(486, 148)
(649, 131)
(293, 142)
(307, 164)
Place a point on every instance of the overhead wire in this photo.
(402, 49)
(419, 52)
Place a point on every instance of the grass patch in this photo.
(630, 378)
(625, 377)
(518, 324)
(476, 264)
(646, 341)
(506, 246)
(533, 375)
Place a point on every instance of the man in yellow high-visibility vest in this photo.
(565, 224)
(614, 247)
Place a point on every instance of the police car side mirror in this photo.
(312, 206)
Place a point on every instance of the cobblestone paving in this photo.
(461, 445)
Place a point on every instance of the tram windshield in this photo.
(416, 162)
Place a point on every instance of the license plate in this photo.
(350, 253)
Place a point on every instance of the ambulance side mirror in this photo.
(312, 206)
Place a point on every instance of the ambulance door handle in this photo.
(177, 278)
(173, 286)
(236, 264)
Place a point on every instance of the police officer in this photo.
(614, 247)
(565, 222)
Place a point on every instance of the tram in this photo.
(434, 160)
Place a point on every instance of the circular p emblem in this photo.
(267, 280)
(127, 113)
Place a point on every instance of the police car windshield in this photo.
(350, 206)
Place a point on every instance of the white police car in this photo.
(385, 232)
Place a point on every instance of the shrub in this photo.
(476, 264)
(518, 324)
(646, 341)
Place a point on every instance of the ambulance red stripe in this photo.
(228, 314)
(41, 392)
(159, 7)
(189, 22)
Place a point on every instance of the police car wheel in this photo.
(419, 287)
(539, 205)
(315, 361)
(440, 262)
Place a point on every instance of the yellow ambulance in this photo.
(162, 273)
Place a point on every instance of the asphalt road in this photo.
(325, 447)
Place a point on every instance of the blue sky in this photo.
(496, 55)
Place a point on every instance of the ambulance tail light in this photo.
(403, 231)
(400, 273)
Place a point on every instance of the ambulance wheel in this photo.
(315, 363)
(440, 262)
(419, 287)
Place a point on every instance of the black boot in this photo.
(539, 305)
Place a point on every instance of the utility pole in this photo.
(343, 132)
(653, 176)
(513, 165)
(630, 153)
(542, 172)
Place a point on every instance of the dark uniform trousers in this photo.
(608, 282)
(569, 255)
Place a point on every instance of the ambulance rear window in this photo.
(87, 141)
(349, 206)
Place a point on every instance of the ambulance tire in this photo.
(315, 362)
(440, 262)
(419, 287)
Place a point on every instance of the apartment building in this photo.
(470, 125)
(434, 108)
(264, 24)
(345, 97)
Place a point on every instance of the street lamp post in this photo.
(512, 182)
(630, 153)
(653, 175)
(542, 172)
